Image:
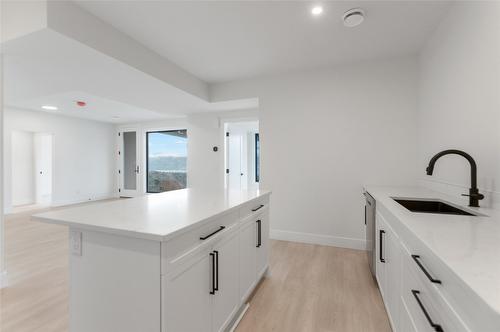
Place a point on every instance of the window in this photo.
(257, 157)
(166, 160)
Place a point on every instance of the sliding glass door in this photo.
(166, 161)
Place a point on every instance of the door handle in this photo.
(259, 233)
(212, 291)
(216, 288)
(258, 208)
(427, 274)
(211, 234)
(435, 326)
(381, 238)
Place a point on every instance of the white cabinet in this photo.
(248, 257)
(187, 295)
(419, 294)
(262, 224)
(226, 296)
(388, 268)
(213, 271)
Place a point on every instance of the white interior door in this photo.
(129, 168)
(234, 162)
(43, 144)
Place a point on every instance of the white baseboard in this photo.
(326, 240)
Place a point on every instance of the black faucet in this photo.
(474, 195)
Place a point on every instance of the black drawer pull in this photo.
(213, 233)
(212, 255)
(259, 233)
(427, 274)
(216, 288)
(258, 208)
(435, 326)
(381, 238)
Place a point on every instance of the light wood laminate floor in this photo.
(309, 288)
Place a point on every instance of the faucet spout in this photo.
(474, 195)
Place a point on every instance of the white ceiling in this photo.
(96, 108)
(228, 40)
(46, 67)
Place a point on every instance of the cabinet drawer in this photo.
(425, 304)
(189, 241)
(254, 207)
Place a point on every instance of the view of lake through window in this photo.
(167, 160)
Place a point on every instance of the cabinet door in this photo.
(393, 277)
(227, 295)
(380, 254)
(248, 258)
(262, 231)
(187, 299)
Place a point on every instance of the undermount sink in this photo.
(431, 206)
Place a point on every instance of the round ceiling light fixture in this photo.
(353, 17)
(317, 10)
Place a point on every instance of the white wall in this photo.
(324, 134)
(23, 168)
(84, 155)
(459, 99)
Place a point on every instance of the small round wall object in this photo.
(216, 149)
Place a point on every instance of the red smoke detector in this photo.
(81, 103)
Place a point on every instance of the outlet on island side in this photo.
(75, 243)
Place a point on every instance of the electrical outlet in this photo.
(75, 243)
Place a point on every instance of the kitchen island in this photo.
(185, 260)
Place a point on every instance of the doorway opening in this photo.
(31, 165)
(242, 157)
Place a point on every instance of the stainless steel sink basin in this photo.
(432, 206)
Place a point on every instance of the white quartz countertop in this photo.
(155, 216)
(468, 245)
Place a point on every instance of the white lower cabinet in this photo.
(187, 301)
(248, 258)
(262, 224)
(205, 285)
(418, 293)
(226, 295)
(388, 268)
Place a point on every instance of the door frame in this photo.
(52, 168)
(225, 121)
(122, 192)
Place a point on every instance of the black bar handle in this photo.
(435, 326)
(427, 274)
(216, 288)
(212, 291)
(258, 208)
(381, 233)
(365, 214)
(259, 233)
(213, 233)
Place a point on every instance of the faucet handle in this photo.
(476, 196)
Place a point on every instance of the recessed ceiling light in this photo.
(317, 10)
(50, 108)
(353, 17)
